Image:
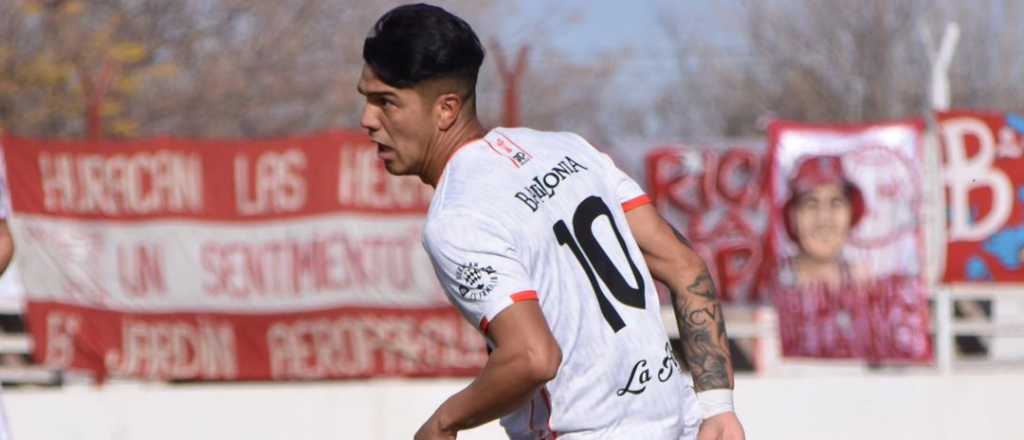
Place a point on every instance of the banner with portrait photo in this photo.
(845, 240)
(983, 169)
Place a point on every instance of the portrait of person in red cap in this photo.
(843, 267)
(816, 290)
(823, 208)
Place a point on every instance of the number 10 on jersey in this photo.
(593, 258)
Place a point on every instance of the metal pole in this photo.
(944, 331)
(940, 96)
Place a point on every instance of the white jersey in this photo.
(522, 215)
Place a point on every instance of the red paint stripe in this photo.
(524, 295)
(635, 202)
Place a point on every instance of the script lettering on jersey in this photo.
(640, 374)
(542, 187)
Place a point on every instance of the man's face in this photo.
(399, 121)
(822, 217)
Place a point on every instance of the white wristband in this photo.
(714, 402)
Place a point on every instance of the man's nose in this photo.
(369, 120)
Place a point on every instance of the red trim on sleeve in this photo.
(524, 295)
(635, 202)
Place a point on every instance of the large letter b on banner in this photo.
(966, 173)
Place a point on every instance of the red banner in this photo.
(713, 197)
(230, 260)
(846, 242)
(230, 180)
(345, 342)
(984, 174)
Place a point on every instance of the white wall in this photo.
(873, 407)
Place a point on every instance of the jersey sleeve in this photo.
(626, 190)
(476, 263)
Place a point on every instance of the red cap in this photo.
(815, 171)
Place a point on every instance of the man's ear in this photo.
(448, 107)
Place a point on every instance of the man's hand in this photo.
(431, 430)
(724, 426)
(525, 357)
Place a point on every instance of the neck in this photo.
(445, 145)
(818, 268)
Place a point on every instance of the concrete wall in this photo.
(871, 407)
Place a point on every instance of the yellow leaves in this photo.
(110, 108)
(163, 70)
(129, 84)
(44, 70)
(123, 127)
(35, 7)
(134, 79)
(127, 52)
(31, 7)
(73, 7)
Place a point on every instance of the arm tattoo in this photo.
(681, 237)
(703, 287)
(702, 333)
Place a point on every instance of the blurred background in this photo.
(204, 244)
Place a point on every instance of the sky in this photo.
(598, 26)
(584, 30)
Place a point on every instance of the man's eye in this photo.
(381, 101)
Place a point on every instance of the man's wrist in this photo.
(715, 402)
(443, 419)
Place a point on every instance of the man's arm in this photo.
(6, 246)
(525, 357)
(705, 347)
(694, 298)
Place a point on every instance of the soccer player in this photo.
(6, 253)
(6, 241)
(549, 249)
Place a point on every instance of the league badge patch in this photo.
(475, 281)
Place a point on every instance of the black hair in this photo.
(415, 43)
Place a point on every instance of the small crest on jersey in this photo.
(505, 147)
(475, 281)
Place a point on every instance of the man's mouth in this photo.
(385, 152)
